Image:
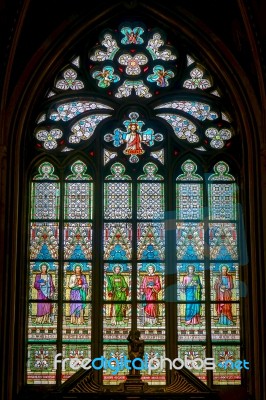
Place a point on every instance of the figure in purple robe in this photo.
(78, 293)
(45, 290)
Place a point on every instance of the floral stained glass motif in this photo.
(110, 374)
(196, 81)
(218, 137)
(71, 351)
(194, 355)
(226, 372)
(221, 172)
(49, 137)
(158, 375)
(183, 128)
(154, 45)
(84, 128)
(189, 169)
(40, 368)
(111, 49)
(108, 156)
(68, 111)
(133, 63)
(197, 109)
(69, 81)
(140, 89)
(134, 137)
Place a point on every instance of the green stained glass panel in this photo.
(189, 201)
(157, 376)
(117, 282)
(225, 372)
(117, 200)
(222, 201)
(193, 353)
(78, 200)
(116, 321)
(150, 200)
(45, 200)
(40, 366)
(110, 374)
(44, 239)
(71, 351)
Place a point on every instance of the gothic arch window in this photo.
(134, 213)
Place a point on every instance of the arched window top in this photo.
(139, 64)
(78, 170)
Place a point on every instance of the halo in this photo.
(44, 263)
(118, 265)
(151, 265)
(77, 265)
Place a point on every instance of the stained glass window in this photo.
(136, 228)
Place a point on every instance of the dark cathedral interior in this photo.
(92, 265)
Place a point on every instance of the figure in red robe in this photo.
(150, 287)
(133, 140)
(223, 287)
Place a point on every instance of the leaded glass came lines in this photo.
(222, 200)
(189, 201)
(117, 200)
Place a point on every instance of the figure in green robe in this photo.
(117, 289)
